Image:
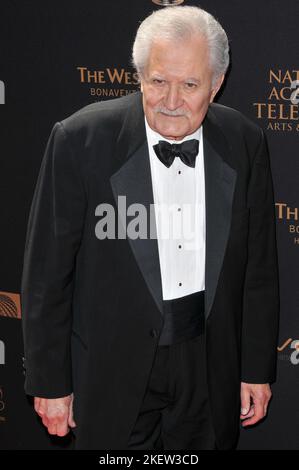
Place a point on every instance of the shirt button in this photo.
(180, 283)
(180, 246)
(179, 172)
(179, 209)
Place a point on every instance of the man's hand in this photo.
(254, 402)
(56, 414)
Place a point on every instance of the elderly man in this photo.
(154, 340)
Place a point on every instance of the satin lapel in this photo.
(133, 180)
(220, 179)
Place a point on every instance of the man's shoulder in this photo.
(231, 119)
(104, 113)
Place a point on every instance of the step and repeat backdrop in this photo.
(56, 57)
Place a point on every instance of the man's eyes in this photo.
(188, 85)
(158, 81)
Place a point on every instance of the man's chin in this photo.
(172, 133)
(174, 126)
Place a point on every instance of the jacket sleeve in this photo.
(261, 290)
(54, 232)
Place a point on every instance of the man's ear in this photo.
(141, 84)
(140, 81)
(216, 87)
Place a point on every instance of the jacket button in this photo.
(154, 333)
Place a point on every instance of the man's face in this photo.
(177, 86)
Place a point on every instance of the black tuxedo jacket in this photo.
(92, 309)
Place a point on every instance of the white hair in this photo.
(181, 22)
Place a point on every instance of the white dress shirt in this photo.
(179, 201)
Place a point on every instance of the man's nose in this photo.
(173, 98)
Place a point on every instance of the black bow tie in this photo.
(186, 151)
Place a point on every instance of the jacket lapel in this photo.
(133, 180)
(220, 179)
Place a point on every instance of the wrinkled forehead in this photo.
(188, 58)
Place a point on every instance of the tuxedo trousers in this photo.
(175, 412)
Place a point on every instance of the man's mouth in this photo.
(171, 115)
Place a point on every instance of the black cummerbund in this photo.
(184, 318)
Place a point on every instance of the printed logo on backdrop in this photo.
(289, 216)
(279, 107)
(2, 405)
(107, 82)
(289, 351)
(10, 305)
(2, 92)
(167, 3)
